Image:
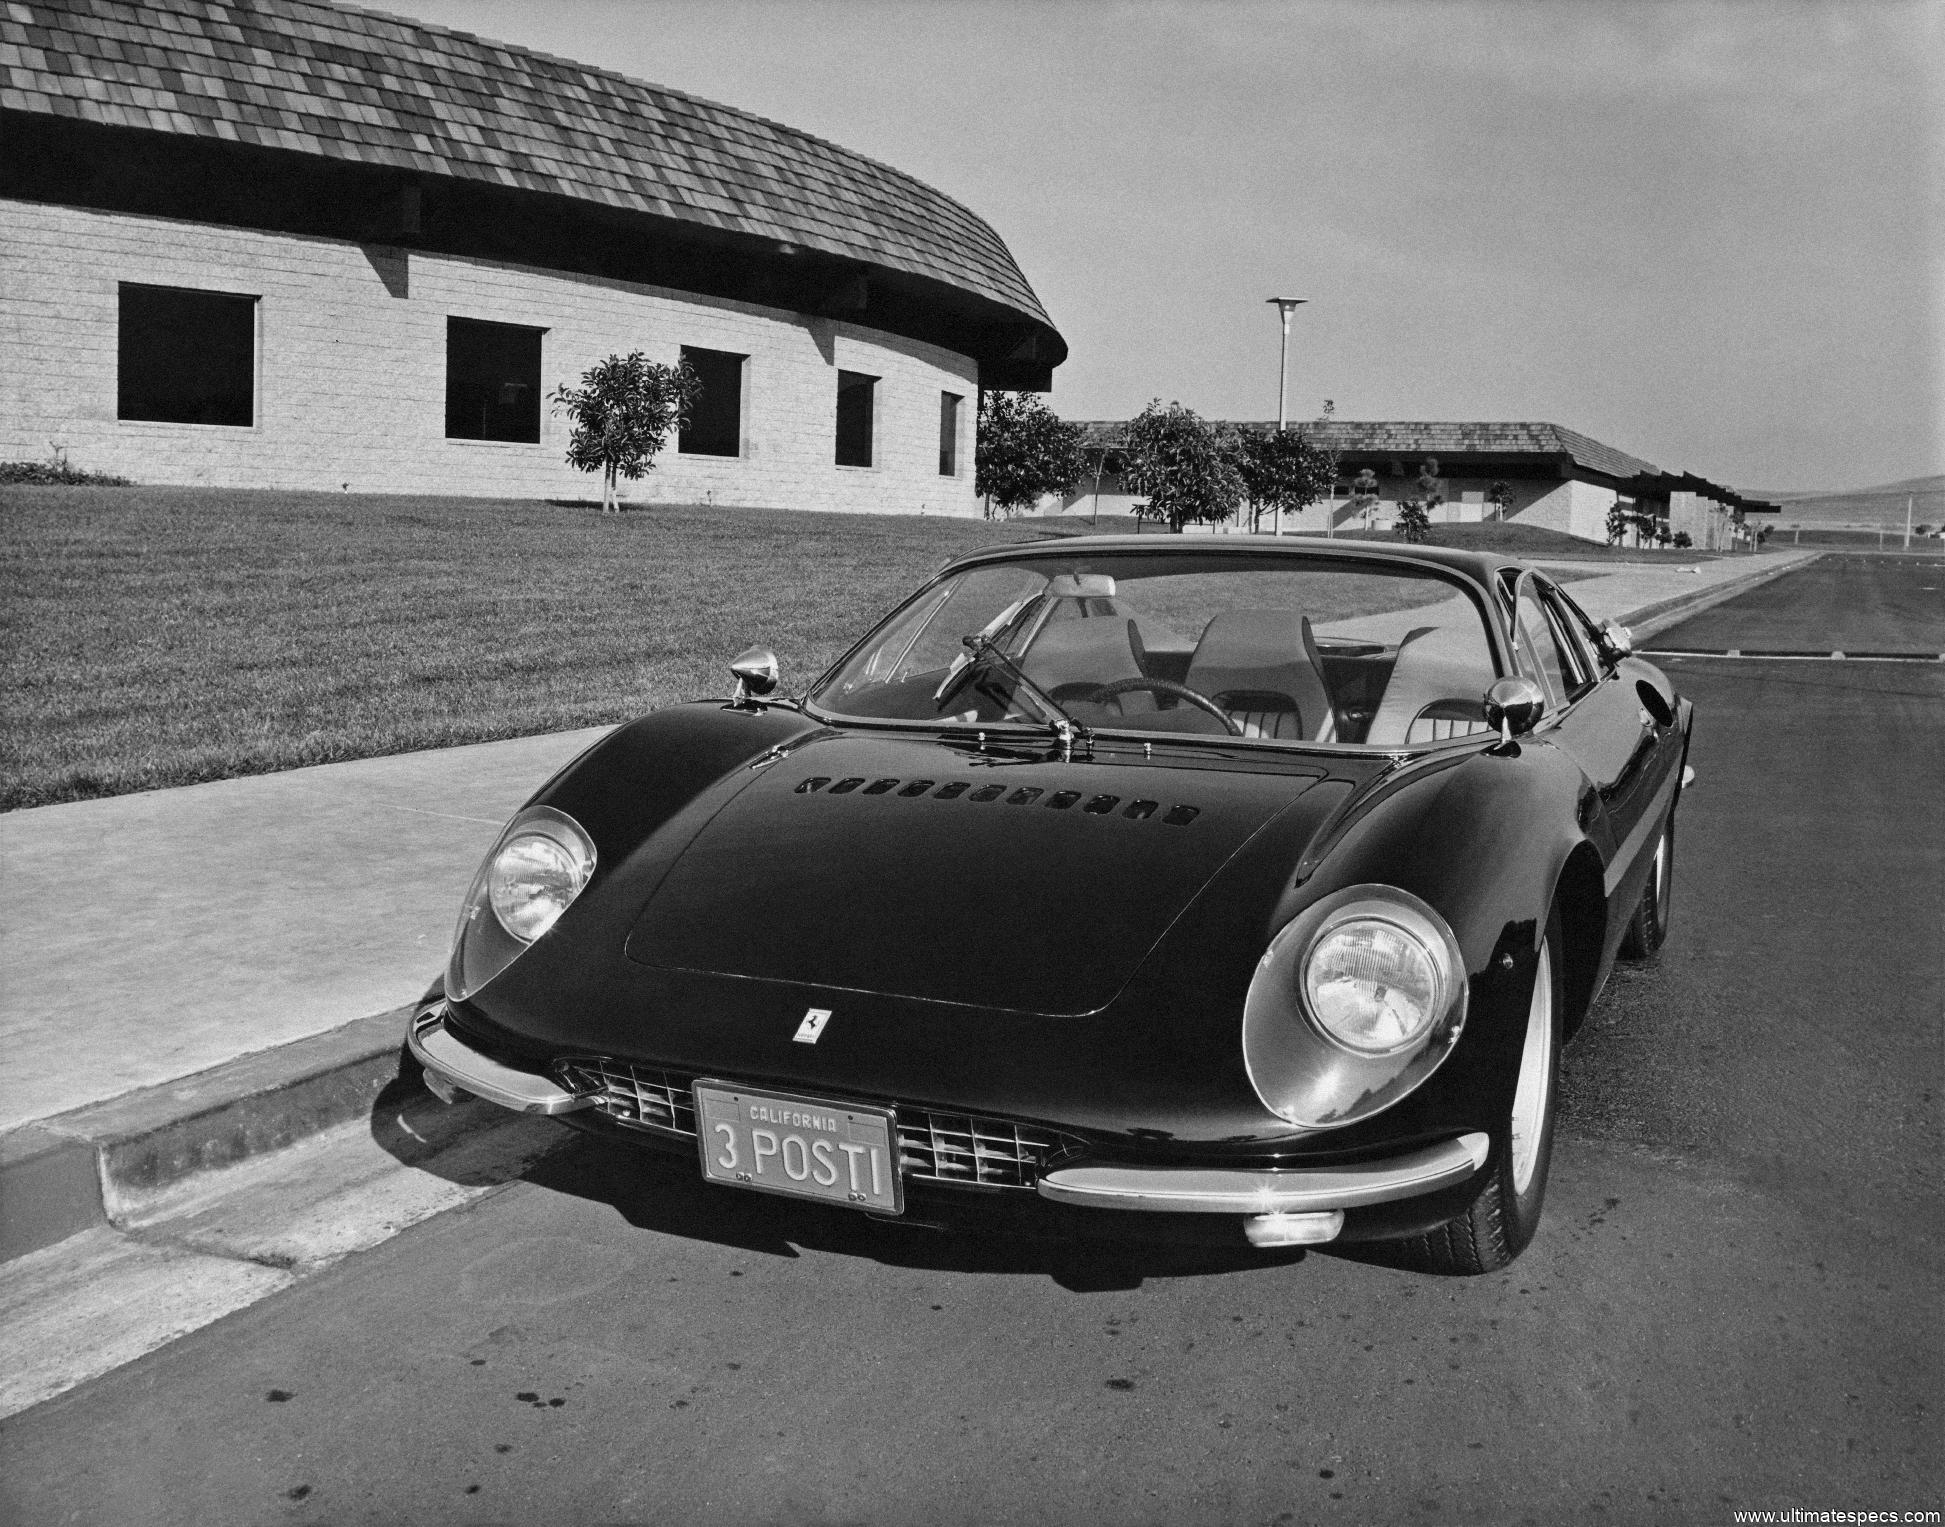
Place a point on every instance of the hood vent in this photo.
(1026, 795)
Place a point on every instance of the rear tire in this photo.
(1500, 1221)
(1648, 928)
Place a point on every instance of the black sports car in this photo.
(1211, 888)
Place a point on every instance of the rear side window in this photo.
(186, 357)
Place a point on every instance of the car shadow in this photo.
(474, 1144)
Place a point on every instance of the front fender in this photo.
(622, 791)
(641, 774)
(1486, 840)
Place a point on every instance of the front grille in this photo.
(637, 1096)
(934, 1146)
(957, 1147)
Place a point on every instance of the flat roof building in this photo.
(1555, 478)
(285, 243)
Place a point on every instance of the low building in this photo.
(280, 243)
(1552, 477)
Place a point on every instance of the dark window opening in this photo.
(185, 357)
(715, 426)
(855, 393)
(949, 434)
(492, 381)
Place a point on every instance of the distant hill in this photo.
(1865, 507)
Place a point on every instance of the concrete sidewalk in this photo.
(193, 975)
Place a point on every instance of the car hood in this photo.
(918, 869)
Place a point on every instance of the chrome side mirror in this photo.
(756, 674)
(1616, 641)
(1515, 707)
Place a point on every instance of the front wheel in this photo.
(1648, 928)
(1497, 1225)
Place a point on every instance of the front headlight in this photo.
(534, 876)
(1373, 984)
(1353, 1005)
(544, 859)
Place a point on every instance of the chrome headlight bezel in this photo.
(487, 939)
(1309, 1073)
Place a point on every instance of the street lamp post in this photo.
(1284, 306)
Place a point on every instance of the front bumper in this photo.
(1204, 1190)
(1277, 1207)
(450, 1063)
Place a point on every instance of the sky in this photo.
(1709, 234)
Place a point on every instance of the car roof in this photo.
(1480, 567)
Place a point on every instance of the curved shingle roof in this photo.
(372, 89)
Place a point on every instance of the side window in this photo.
(949, 433)
(1539, 646)
(492, 381)
(1580, 622)
(856, 406)
(185, 357)
(1577, 658)
(715, 423)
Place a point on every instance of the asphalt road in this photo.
(1850, 602)
(1734, 1302)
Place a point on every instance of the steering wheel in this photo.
(1167, 687)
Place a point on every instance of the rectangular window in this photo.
(949, 433)
(186, 357)
(856, 397)
(715, 426)
(492, 381)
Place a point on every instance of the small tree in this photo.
(1189, 469)
(1618, 521)
(1024, 450)
(1329, 452)
(623, 412)
(1095, 454)
(1364, 494)
(1500, 495)
(1282, 472)
(1415, 514)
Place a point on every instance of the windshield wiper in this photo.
(986, 654)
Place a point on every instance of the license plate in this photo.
(837, 1153)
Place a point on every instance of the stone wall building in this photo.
(291, 244)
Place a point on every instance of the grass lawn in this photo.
(161, 636)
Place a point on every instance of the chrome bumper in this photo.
(1302, 1207)
(452, 1063)
(1310, 1190)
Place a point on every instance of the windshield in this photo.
(1278, 648)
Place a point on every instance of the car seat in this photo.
(1430, 696)
(1070, 659)
(1261, 666)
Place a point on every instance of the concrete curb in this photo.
(90, 1166)
(1663, 614)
